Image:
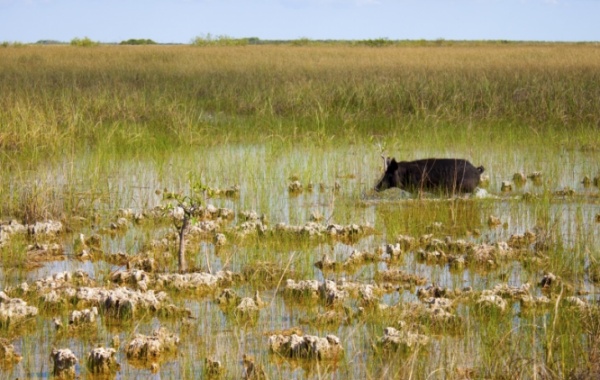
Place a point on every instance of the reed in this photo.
(135, 97)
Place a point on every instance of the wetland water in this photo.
(342, 179)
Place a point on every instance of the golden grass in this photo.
(57, 96)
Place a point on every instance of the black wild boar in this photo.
(449, 175)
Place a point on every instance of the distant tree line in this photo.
(85, 41)
(224, 40)
(138, 41)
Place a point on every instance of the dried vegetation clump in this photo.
(252, 369)
(295, 187)
(44, 234)
(402, 340)
(499, 297)
(439, 292)
(196, 281)
(58, 289)
(8, 355)
(439, 311)
(124, 302)
(63, 279)
(437, 304)
(40, 252)
(230, 192)
(303, 289)
(82, 317)
(335, 316)
(246, 306)
(208, 212)
(66, 288)
(102, 360)
(14, 310)
(335, 293)
(251, 224)
(579, 304)
(436, 308)
(306, 346)
(213, 368)
(209, 222)
(506, 187)
(315, 229)
(353, 261)
(490, 301)
(48, 229)
(152, 348)
(249, 306)
(64, 363)
(228, 298)
(331, 293)
(526, 247)
(401, 277)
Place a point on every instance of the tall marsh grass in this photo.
(135, 97)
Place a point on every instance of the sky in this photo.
(180, 21)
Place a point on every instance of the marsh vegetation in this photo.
(280, 147)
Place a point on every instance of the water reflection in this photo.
(263, 174)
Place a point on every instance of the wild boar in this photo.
(449, 175)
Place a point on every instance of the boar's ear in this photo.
(392, 165)
(385, 162)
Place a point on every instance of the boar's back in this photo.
(447, 174)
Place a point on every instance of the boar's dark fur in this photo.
(449, 175)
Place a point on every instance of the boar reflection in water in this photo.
(450, 175)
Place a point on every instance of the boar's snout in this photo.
(382, 185)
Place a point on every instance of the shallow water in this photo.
(263, 173)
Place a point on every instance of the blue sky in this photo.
(179, 21)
